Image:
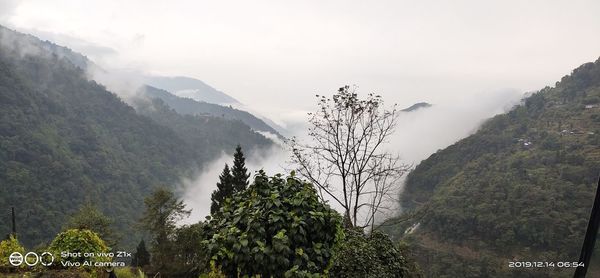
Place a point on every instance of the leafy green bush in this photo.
(277, 227)
(371, 256)
(78, 241)
(9, 246)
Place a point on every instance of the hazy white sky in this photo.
(275, 55)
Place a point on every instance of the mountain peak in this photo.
(416, 106)
(188, 87)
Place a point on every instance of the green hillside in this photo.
(208, 135)
(65, 140)
(188, 106)
(520, 189)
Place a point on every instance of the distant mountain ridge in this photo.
(187, 106)
(31, 45)
(188, 87)
(416, 106)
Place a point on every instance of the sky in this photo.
(471, 59)
(287, 51)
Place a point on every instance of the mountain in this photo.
(31, 45)
(209, 136)
(187, 106)
(416, 106)
(65, 140)
(520, 189)
(188, 87)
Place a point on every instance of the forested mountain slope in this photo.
(188, 106)
(65, 140)
(208, 135)
(520, 189)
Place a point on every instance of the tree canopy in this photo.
(163, 210)
(276, 227)
(90, 218)
(231, 181)
(239, 172)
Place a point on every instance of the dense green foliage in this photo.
(78, 241)
(224, 190)
(175, 251)
(230, 181)
(187, 106)
(239, 173)
(373, 256)
(191, 252)
(7, 247)
(65, 139)
(90, 218)
(276, 227)
(163, 210)
(520, 188)
(141, 257)
(207, 136)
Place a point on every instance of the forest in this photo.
(520, 188)
(66, 140)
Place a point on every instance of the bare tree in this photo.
(344, 157)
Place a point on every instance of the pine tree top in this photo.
(239, 171)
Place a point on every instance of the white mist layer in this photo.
(418, 135)
(197, 191)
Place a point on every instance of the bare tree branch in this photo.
(346, 135)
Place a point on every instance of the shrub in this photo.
(9, 246)
(277, 227)
(371, 256)
(78, 241)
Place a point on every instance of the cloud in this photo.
(123, 82)
(96, 52)
(422, 132)
(7, 10)
(197, 191)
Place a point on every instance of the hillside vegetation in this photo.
(188, 106)
(520, 189)
(65, 140)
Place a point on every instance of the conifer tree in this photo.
(224, 190)
(239, 171)
(141, 257)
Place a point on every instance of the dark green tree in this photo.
(275, 228)
(88, 217)
(223, 191)
(163, 210)
(141, 257)
(239, 171)
(192, 254)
